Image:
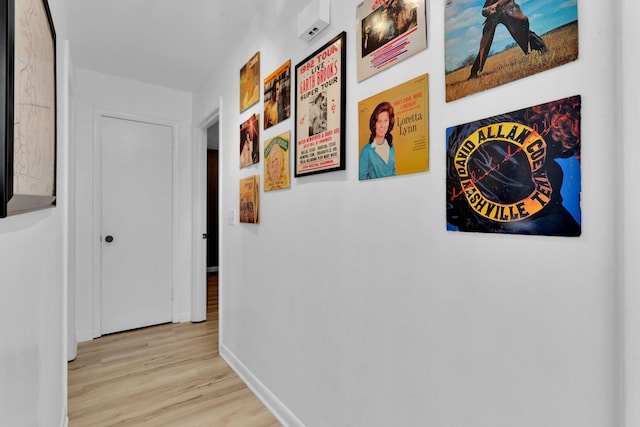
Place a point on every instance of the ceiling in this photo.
(171, 43)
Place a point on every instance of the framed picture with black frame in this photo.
(320, 112)
(28, 107)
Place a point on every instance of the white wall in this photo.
(33, 291)
(333, 325)
(96, 91)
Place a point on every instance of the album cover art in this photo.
(489, 43)
(517, 173)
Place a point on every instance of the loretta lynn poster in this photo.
(320, 113)
(393, 131)
(492, 42)
(517, 173)
(388, 31)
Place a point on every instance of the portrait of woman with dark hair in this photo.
(377, 157)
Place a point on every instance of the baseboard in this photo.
(64, 422)
(83, 336)
(184, 317)
(270, 400)
(212, 269)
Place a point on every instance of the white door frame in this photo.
(199, 249)
(98, 113)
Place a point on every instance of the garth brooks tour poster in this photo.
(517, 173)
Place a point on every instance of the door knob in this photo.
(108, 239)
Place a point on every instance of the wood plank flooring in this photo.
(167, 375)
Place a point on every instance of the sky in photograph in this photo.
(463, 25)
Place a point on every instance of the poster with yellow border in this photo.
(393, 131)
(276, 162)
(250, 199)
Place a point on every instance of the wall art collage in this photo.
(516, 173)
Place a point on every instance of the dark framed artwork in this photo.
(28, 116)
(320, 112)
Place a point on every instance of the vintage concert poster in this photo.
(492, 42)
(388, 31)
(517, 173)
(250, 82)
(320, 114)
(250, 141)
(277, 95)
(393, 131)
(276, 163)
(250, 199)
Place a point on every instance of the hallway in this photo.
(166, 375)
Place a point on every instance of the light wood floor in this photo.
(167, 375)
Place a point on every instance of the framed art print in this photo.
(388, 31)
(28, 118)
(250, 82)
(276, 163)
(393, 131)
(277, 95)
(518, 172)
(489, 43)
(250, 141)
(320, 114)
(250, 199)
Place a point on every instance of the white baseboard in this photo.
(184, 317)
(83, 336)
(270, 400)
(212, 269)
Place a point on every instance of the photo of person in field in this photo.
(509, 14)
(492, 42)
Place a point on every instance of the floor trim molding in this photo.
(270, 400)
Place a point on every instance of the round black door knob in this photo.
(108, 239)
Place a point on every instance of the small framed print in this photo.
(250, 82)
(388, 32)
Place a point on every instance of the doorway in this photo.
(212, 197)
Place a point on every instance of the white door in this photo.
(136, 224)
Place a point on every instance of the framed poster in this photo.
(250, 199)
(276, 163)
(250, 141)
(277, 95)
(393, 131)
(250, 82)
(28, 118)
(492, 42)
(320, 113)
(388, 31)
(517, 173)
